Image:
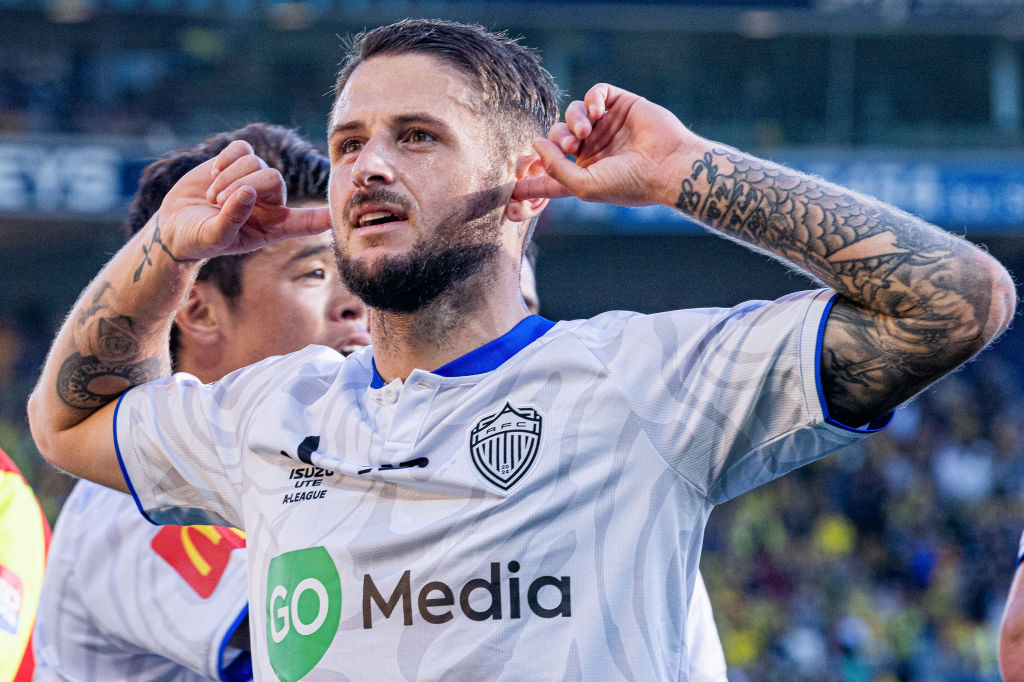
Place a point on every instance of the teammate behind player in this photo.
(124, 599)
(511, 498)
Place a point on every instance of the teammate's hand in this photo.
(232, 203)
(629, 151)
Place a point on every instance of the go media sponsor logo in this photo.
(303, 610)
(479, 599)
(304, 604)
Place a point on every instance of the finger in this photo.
(539, 187)
(600, 98)
(564, 138)
(304, 221)
(232, 215)
(229, 155)
(239, 168)
(561, 178)
(267, 182)
(576, 119)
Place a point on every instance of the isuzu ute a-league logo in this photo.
(303, 610)
(504, 445)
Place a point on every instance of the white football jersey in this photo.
(126, 600)
(704, 647)
(533, 510)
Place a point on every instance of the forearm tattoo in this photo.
(147, 250)
(91, 381)
(912, 308)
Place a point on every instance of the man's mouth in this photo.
(378, 218)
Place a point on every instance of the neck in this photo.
(206, 372)
(473, 312)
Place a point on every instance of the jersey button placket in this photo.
(411, 412)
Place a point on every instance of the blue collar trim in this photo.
(489, 356)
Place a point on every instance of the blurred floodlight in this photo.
(291, 16)
(70, 11)
(758, 24)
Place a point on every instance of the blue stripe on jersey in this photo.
(240, 669)
(489, 356)
(120, 463)
(876, 424)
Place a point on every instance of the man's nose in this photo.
(373, 165)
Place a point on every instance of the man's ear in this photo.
(528, 165)
(200, 322)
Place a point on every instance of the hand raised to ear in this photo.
(629, 151)
(232, 203)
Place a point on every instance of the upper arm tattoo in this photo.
(912, 306)
(93, 380)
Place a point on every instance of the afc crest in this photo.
(504, 445)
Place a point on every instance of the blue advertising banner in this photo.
(965, 192)
(79, 178)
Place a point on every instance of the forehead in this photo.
(395, 85)
(280, 253)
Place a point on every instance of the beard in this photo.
(465, 242)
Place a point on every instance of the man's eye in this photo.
(418, 136)
(350, 146)
(319, 273)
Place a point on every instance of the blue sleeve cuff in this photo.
(240, 669)
(120, 462)
(874, 425)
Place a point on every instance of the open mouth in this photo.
(378, 218)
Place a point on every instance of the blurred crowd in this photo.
(890, 560)
(24, 340)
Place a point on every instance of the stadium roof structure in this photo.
(754, 18)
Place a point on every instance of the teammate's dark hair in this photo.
(305, 169)
(509, 77)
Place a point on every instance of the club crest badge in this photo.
(505, 445)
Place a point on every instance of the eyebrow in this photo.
(307, 253)
(397, 121)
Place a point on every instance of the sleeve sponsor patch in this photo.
(11, 594)
(200, 554)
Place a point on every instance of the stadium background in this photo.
(889, 561)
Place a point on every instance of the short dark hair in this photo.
(510, 79)
(305, 169)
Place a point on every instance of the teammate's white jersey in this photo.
(126, 600)
(533, 510)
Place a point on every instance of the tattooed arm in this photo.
(915, 301)
(117, 334)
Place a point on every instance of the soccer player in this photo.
(24, 536)
(487, 494)
(124, 599)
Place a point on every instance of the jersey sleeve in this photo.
(732, 398)
(181, 442)
(124, 599)
(705, 656)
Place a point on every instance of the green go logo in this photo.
(303, 610)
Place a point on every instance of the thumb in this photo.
(303, 221)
